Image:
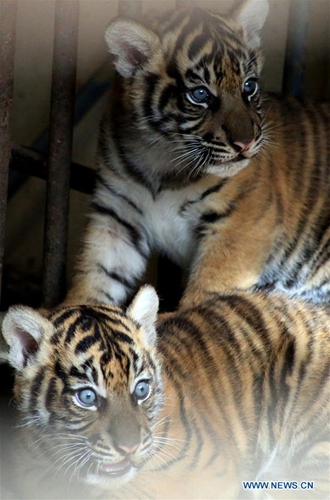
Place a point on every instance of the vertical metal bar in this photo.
(61, 125)
(327, 75)
(130, 8)
(295, 55)
(8, 11)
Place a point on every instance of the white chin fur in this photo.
(108, 482)
(227, 169)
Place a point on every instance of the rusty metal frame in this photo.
(8, 11)
(60, 149)
(295, 54)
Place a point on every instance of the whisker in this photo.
(164, 444)
(171, 439)
(166, 454)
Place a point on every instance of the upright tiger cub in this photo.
(234, 389)
(196, 162)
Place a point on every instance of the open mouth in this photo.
(223, 163)
(239, 157)
(115, 470)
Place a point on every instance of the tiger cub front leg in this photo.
(232, 254)
(114, 255)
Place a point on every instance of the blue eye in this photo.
(250, 87)
(86, 397)
(199, 95)
(142, 390)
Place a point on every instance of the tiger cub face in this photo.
(89, 385)
(190, 82)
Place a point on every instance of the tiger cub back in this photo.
(233, 390)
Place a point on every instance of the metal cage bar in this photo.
(8, 10)
(295, 54)
(61, 129)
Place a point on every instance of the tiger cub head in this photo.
(88, 383)
(191, 82)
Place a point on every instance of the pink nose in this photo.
(244, 145)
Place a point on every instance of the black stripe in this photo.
(115, 276)
(74, 372)
(62, 316)
(303, 371)
(50, 394)
(118, 322)
(106, 358)
(258, 397)
(210, 217)
(107, 295)
(133, 233)
(184, 344)
(167, 94)
(123, 337)
(111, 190)
(186, 31)
(197, 45)
(312, 185)
(214, 189)
(173, 72)
(94, 318)
(59, 371)
(192, 76)
(286, 357)
(194, 462)
(213, 217)
(35, 389)
(113, 310)
(133, 170)
(325, 376)
(272, 405)
(251, 315)
(89, 365)
(55, 339)
(191, 340)
(151, 81)
(85, 344)
(71, 331)
(322, 257)
(230, 349)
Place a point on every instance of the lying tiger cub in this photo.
(234, 389)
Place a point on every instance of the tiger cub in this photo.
(234, 389)
(196, 162)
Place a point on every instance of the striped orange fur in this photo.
(197, 162)
(233, 389)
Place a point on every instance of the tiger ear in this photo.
(132, 43)
(23, 328)
(143, 310)
(251, 14)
